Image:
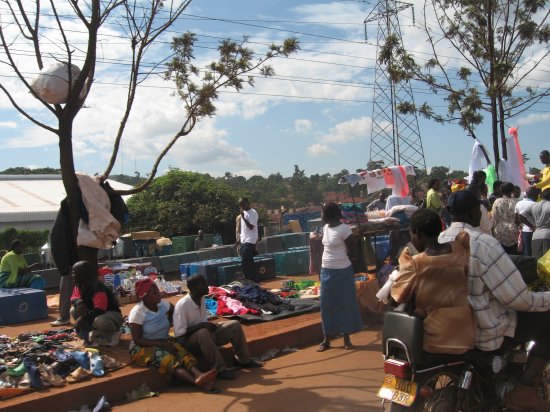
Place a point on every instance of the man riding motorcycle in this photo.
(507, 313)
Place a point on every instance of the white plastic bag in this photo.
(52, 82)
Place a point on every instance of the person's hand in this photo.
(169, 346)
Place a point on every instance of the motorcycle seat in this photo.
(403, 332)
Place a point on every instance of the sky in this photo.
(315, 112)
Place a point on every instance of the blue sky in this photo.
(315, 113)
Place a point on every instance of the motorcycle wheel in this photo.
(444, 385)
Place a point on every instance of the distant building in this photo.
(31, 202)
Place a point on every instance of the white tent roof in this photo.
(34, 197)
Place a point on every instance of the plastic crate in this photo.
(294, 262)
(19, 305)
(381, 246)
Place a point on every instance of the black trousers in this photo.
(533, 326)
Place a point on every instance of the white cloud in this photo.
(353, 129)
(316, 150)
(533, 118)
(302, 126)
(208, 146)
(10, 125)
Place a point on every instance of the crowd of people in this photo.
(463, 278)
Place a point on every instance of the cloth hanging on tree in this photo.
(477, 159)
(515, 160)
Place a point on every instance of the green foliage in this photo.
(27, 171)
(32, 240)
(495, 38)
(199, 88)
(181, 203)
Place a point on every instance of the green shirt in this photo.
(433, 201)
(12, 263)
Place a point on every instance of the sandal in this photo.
(206, 377)
(79, 374)
(323, 347)
(348, 346)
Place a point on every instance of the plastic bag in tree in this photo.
(52, 82)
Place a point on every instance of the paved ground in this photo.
(335, 380)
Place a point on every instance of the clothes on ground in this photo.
(10, 266)
(496, 288)
(504, 226)
(439, 287)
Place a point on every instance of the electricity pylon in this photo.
(395, 136)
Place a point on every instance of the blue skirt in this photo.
(339, 309)
(28, 280)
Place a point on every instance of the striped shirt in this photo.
(496, 288)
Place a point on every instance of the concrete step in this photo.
(297, 331)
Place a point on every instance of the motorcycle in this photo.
(418, 381)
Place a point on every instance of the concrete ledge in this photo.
(297, 331)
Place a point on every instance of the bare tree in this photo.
(144, 22)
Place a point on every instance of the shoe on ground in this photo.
(526, 398)
(226, 374)
(60, 322)
(252, 363)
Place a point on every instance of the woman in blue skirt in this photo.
(339, 309)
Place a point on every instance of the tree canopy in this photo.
(500, 43)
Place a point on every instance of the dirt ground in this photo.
(335, 380)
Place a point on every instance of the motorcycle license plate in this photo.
(398, 390)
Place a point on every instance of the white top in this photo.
(394, 200)
(335, 255)
(521, 208)
(249, 235)
(187, 313)
(155, 324)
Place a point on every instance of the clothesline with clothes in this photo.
(394, 177)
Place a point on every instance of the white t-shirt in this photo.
(155, 324)
(249, 235)
(187, 313)
(521, 208)
(335, 255)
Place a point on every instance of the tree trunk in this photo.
(72, 189)
(491, 88)
(502, 128)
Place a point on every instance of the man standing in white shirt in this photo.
(248, 238)
(531, 197)
(507, 312)
(194, 332)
